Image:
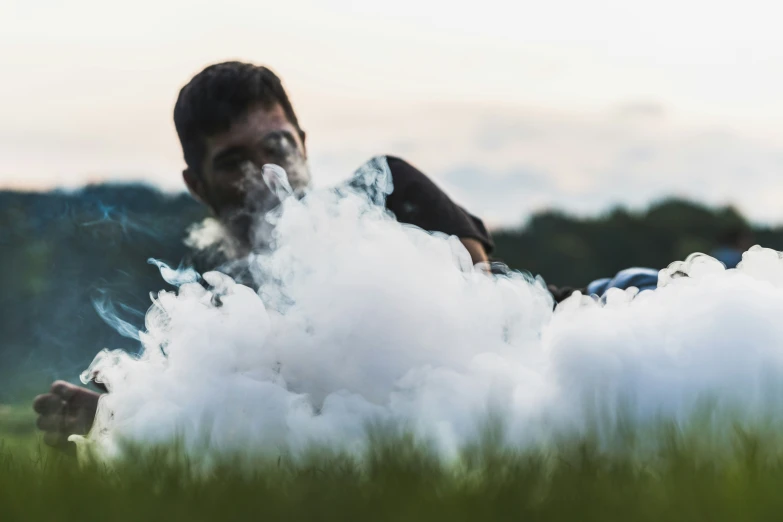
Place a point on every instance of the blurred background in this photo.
(590, 136)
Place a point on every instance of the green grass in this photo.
(16, 419)
(687, 477)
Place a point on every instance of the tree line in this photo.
(63, 251)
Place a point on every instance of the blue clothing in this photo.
(641, 278)
(729, 256)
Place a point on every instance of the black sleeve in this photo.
(416, 200)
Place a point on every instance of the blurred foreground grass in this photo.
(400, 480)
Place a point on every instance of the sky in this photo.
(511, 106)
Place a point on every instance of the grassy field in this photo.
(399, 480)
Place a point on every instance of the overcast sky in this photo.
(511, 105)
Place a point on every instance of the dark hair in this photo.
(217, 97)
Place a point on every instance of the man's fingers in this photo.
(50, 422)
(48, 403)
(63, 424)
(76, 425)
(64, 389)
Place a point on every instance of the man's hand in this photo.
(476, 250)
(66, 410)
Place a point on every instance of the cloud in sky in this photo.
(512, 106)
(504, 163)
(501, 162)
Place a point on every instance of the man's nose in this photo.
(259, 157)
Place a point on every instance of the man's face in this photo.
(230, 180)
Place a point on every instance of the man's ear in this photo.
(303, 136)
(195, 186)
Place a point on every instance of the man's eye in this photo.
(277, 142)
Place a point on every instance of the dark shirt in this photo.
(416, 200)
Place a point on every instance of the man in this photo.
(232, 118)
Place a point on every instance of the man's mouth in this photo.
(262, 191)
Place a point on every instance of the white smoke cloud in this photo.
(359, 319)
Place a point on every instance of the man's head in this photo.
(232, 118)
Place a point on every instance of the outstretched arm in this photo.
(416, 200)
